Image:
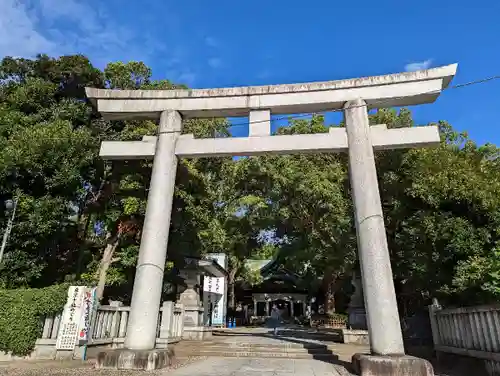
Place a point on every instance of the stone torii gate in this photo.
(358, 139)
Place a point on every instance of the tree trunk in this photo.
(232, 297)
(330, 299)
(106, 261)
(329, 287)
(81, 237)
(232, 301)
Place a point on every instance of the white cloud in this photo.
(418, 65)
(211, 41)
(264, 74)
(214, 62)
(19, 35)
(57, 27)
(187, 78)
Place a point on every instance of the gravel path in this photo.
(79, 368)
(216, 366)
(193, 366)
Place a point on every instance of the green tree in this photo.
(441, 205)
(122, 190)
(306, 206)
(47, 153)
(441, 212)
(50, 138)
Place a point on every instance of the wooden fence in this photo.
(471, 331)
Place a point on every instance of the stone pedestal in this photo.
(193, 325)
(386, 365)
(193, 308)
(357, 337)
(193, 316)
(190, 299)
(357, 318)
(197, 333)
(357, 332)
(356, 310)
(146, 360)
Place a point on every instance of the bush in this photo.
(338, 316)
(332, 320)
(21, 311)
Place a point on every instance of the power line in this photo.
(458, 86)
(481, 81)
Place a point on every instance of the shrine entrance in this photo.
(279, 286)
(359, 139)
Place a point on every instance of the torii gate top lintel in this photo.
(399, 89)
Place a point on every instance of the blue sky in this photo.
(232, 43)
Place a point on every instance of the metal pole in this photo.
(8, 230)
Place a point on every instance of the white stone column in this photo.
(433, 311)
(146, 295)
(166, 320)
(47, 327)
(55, 326)
(115, 319)
(378, 285)
(259, 123)
(122, 331)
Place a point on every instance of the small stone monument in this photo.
(193, 308)
(356, 309)
(190, 298)
(357, 331)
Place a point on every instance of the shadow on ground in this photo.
(301, 337)
(311, 339)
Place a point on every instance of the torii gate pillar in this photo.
(358, 139)
(148, 283)
(376, 273)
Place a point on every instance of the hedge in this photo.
(338, 316)
(21, 313)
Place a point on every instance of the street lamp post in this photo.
(11, 206)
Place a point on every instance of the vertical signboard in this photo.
(89, 311)
(77, 318)
(208, 300)
(215, 294)
(70, 320)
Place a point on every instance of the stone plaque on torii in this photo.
(358, 139)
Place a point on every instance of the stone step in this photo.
(330, 336)
(289, 345)
(261, 354)
(263, 348)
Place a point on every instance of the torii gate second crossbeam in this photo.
(358, 139)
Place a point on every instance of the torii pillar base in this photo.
(145, 360)
(390, 365)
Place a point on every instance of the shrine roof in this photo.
(207, 266)
(271, 268)
(256, 265)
